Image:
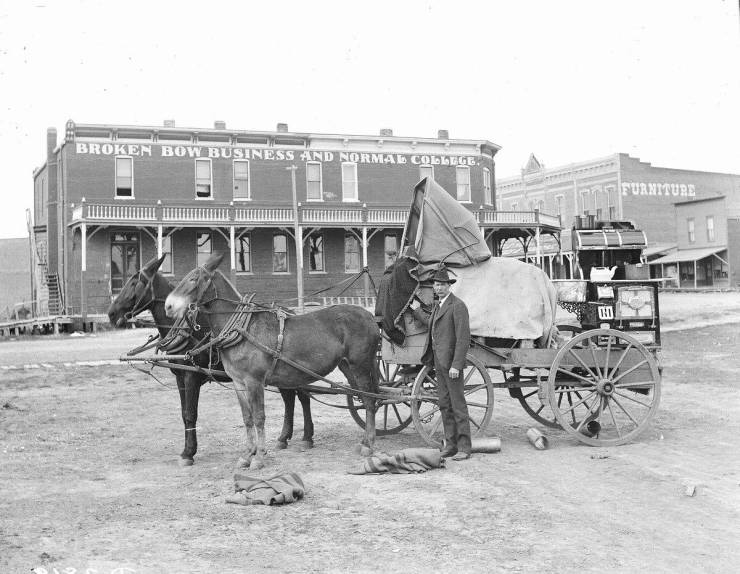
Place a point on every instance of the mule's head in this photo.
(136, 294)
(192, 289)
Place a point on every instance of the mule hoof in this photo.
(365, 450)
(186, 462)
(306, 444)
(243, 462)
(280, 445)
(256, 464)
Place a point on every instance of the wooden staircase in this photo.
(56, 294)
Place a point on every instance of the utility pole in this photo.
(298, 236)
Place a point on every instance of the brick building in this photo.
(110, 197)
(620, 187)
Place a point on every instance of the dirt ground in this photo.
(90, 481)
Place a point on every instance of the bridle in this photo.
(194, 308)
(139, 306)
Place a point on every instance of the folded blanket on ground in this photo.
(407, 461)
(282, 488)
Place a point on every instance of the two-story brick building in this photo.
(110, 197)
(620, 187)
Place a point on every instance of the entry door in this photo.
(124, 259)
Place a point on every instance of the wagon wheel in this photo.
(607, 393)
(391, 417)
(478, 395)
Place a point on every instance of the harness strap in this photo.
(281, 318)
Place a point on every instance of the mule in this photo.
(147, 290)
(343, 336)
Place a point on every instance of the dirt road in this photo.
(89, 480)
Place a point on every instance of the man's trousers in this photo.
(453, 408)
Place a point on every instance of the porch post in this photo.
(537, 241)
(298, 233)
(159, 241)
(232, 250)
(83, 273)
(694, 273)
(366, 281)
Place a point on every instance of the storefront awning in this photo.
(657, 249)
(688, 255)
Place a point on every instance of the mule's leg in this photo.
(256, 400)
(244, 402)
(305, 399)
(361, 381)
(189, 414)
(287, 433)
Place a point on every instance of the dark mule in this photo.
(343, 336)
(147, 290)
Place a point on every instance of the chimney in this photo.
(386, 132)
(443, 134)
(51, 142)
(282, 127)
(219, 125)
(169, 123)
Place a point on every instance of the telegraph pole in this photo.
(298, 236)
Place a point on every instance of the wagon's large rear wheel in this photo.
(393, 414)
(604, 387)
(425, 404)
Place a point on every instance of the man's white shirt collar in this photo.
(442, 301)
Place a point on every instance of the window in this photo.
(487, 197)
(167, 266)
(463, 182)
(124, 259)
(351, 254)
(313, 181)
(241, 179)
(203, 182)
(514, 206)
(611, 201)
(316, 253)
(124, 177)
(244, 254)
(710, 227)
(390, 248)
(584, 202)
(559, 199)
(426, 171)
(541, 205)
(279, 253)
(692, 233)
(204, 247)
(349, 181)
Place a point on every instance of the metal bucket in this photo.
(486, 444)
(538, 440)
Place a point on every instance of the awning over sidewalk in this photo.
(689, 255)
(657, 249)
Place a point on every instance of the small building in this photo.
(109, 197)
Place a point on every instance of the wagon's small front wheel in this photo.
(425, 403)
(604, 387)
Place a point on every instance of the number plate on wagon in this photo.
(605, 312)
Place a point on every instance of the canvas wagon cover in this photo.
(440, 229)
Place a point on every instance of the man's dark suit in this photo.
(447, 343)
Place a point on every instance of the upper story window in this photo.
(351, 254)
(204, 247)
(241, 179)
(710, 227)
(611, 201)
(487, 195)
(585, 204)
(203, 179)
(316, 253)
(692, 231)
(559, 199)
(349, 181)
(280, 253)
(244, 254)
(167, 266)
(390, 249)
(313, 181)
(463, 182)
(124, 177)
(426, 171)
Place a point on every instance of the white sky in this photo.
(567, 80)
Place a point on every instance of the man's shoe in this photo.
(462, 456)
(448, 452)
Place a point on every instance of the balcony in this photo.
(252, 215)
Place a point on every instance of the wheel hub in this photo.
(605, 387)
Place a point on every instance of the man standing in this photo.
(447, 343)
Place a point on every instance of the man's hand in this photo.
(415, 304)
(454, 373)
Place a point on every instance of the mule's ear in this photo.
(213, 262)
(153, 264)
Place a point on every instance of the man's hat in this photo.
(442, 276)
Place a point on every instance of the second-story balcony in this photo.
(256, 215)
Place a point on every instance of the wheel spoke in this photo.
(472, 421)
(572, 374)
(634, 400)
(628, 371)
(479, 405)
(570, 402)
(435, 426)
(474, 389)
(619, 362)
(467, 377)
(605, 372)
(568, 390)
(530, 394)
(590, 412)
(616, 402)
(591, 347)
(579, 403)
(633, 385)
(585, 366)
(614, 420)
(385, 417)
(398, 415)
